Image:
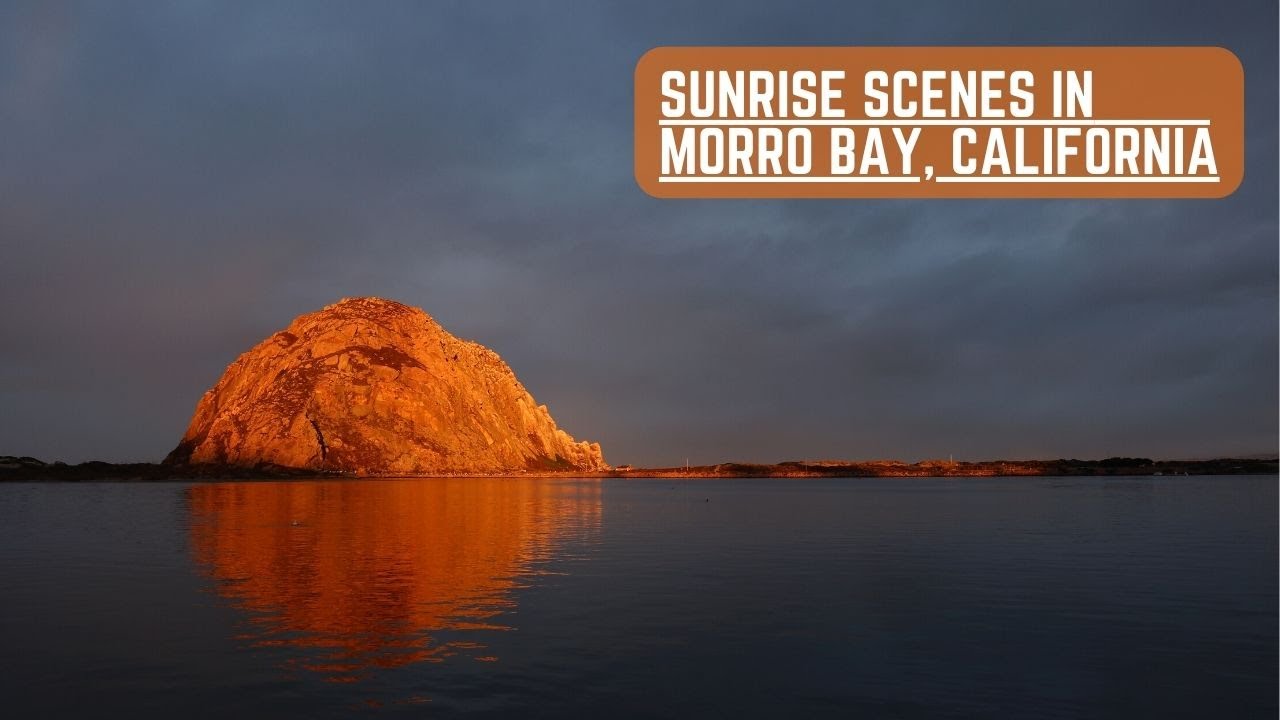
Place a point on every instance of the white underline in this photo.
(1079, 179)
(784, 179)
(940, 178)
(778, 122)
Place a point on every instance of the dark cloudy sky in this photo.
(178, 180)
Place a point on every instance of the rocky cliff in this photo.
(370, 386)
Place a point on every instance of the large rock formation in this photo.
(371, 386)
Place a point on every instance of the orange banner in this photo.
(945, 122)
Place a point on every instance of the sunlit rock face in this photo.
(346, 579)
(370, 386)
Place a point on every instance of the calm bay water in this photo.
(1047, 597)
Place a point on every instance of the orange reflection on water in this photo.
(364, 574)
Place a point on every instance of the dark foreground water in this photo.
(1035, 598)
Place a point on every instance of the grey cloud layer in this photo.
(178, 182)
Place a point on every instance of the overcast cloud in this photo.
(179, 180)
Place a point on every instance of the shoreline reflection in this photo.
(350, 577)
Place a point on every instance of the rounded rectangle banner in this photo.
(945, 122)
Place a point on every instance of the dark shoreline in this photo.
(958, 469)
(26, 469)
